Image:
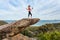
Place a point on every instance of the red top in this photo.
(29, 9)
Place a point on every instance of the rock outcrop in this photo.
(18, 37)
(12, 29)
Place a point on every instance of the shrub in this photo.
(53, 35)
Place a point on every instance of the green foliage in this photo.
(29, 31)
(44, 32)
(53, 35)
(26, 33)
(32, 28)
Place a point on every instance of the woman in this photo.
(29, 11)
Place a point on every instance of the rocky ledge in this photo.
(12, 29)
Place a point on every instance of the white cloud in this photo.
(16, 9)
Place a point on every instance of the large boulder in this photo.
(18, 37)
(15, 28)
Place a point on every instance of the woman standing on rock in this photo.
(29, 11)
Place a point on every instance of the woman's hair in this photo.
(28, 5)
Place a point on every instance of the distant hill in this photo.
(2, 22)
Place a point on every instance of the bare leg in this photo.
(28, 15)
(31, 15)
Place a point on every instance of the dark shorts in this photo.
(29, 14)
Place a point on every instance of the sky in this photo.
(16, 9)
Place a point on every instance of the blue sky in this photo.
(16, 9)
